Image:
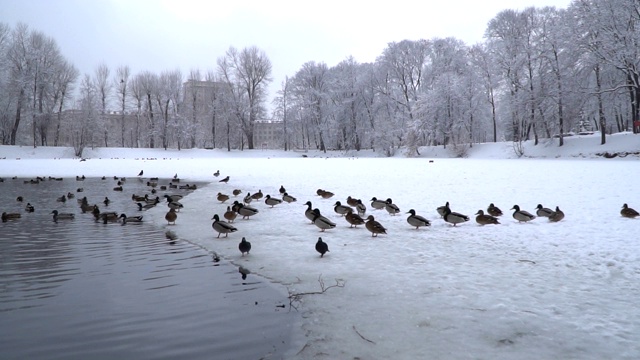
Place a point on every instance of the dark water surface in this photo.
(81, 289)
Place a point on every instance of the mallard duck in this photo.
(362, 208)
(628, 212)
(351, 201)
(494, 210)
(149, 183)
(391, 208)
(230, 215)
(175, 206)
(257, 196)
(19, 199)
(454, 217)
(108, 217)
(106, 201)
(556, 215)
(374, 227)
(80, 190)
(236, 192)
(282, 190)
(130, 219)
(222, 227)
(543, 211)
(341, 209)
(29, 208)
(117, 188)
(70, 195)
(378, 204)
(171, 217)
(247, 199)
(80, 178)
(319, 192)
(442, 209)
(288, 198)
(353, 219)
(137, 198)
(145, 206)
(522, 215)
(322, 222)
(153, 201)
(141, 172)
(308, 213)
(417, 220)
(217, 173)
(62, 216)
(225, 180)
(271, 201)
(244, 246)
(173, 197)
(10, 216)
(62, 199)
(322, 247)
(327, 194)
(484, 219)
(245, 210)
(222, 197)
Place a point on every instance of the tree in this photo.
(121, 83)
(103, 89)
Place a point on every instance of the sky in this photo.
(159, 35)
(535, 290)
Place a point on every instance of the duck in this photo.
(247, 199)
(322, 247)
(485, 219)
(171, 217)
(29, 208)
(137, 198)
(522, 215)
(153, 201)
(326, 194)
(454, 217)
(378, 204)
(391, 208)
(225, 180)
(117, 188)
(19, 199)
(110, 216)
(442, 209)
(217, 173)
(145, 207)
(222, 197)
(374, 227)
(130, 219)
(245, 210)
(417, 220)
(341, 209)
(321, 221)
(175, 205)
(244, 246)
(557, 215)
(494, 210)
(362, 208)
(80, 190)
(271, 201)
(543, 211)
(80, 178)
(62, 216)
(236, 192)
(173, 197)
(352, 201)
(308, 213)
(282, 190)
(222, 227)
(353, 219)
(141, 172)
(106, 201)
(288, 198)
(10, 216)
(70, 195)
(628, 212)
(62, 199)
(257, 196)
(230, 215)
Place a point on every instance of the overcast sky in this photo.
(159, 35)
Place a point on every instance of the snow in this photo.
(536, 290)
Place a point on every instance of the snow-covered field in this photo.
(537, 290)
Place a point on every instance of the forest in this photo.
(539, 73)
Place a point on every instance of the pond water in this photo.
(81, 289)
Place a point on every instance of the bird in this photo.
(217, 173)
(353, 219)
(282, 190)
(628, 212)
(322, 247)
(170, 198)
(442, 209)
(321, 221)
(141, 172)
(175, 176)
(175, 205)
(257, 196)
(236, 192)
(417, 220)
(110, 216)
(494, 210)
(245, 210)
(308, 213)
(378, 204)
(171, 216)
(556, 215)
(117, 188)
(271, 201)
(131, 219)
(62, 199)
(62, 216)
(222, 197)
(70, 195)
(326, 194)
(485, 219)
(222, 227)
(29, 208)
(244, 246)
(352, 201)
(288, 198)
(374, 227)
(522, 215)
(230, 215)
(454, 217)
(247, 199)
(543, 211)
(135, 197)
(391, 208)
(362, 208)
(10, 216)
(106, 201)
(19, 199)
(225, 180)
(145, 207)
(341, 209)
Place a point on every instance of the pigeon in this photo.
(225, 180)
(322, 247)
(244, 246)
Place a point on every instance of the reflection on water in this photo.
(79, 289)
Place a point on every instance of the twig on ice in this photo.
(363, 338)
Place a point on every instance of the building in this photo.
(268, 134)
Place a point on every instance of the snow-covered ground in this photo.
(537, 290)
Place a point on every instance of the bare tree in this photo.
(121, 83)
(103, 89)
